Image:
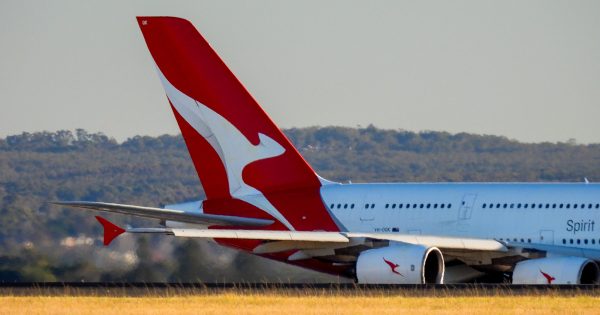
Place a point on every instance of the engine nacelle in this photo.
(556, 270)
(400, 264)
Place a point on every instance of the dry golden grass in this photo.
(275, 303)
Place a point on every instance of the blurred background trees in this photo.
(40, 242)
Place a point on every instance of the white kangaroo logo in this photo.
(231, 145)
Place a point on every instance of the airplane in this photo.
(264, 198)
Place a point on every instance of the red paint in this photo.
(548, 277)
(208, 164)
(393, 266)
(193, 67)
(111, 231)
(240, 208)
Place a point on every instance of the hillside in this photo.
(39, 241)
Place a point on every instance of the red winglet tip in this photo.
(111, 231)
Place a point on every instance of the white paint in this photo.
(234, 149)
(505, 224)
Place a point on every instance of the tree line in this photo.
(46, 166)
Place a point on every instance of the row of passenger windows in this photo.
(540, 205)
(339, 205)
(394, 205)
(564, 240)
(578, 241)
(419, 205)
(516, 240)
(484, 206)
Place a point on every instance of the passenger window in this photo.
(560, 205)
(553, 206)
(332, 206)
(568, 205)
(414, 205)
(575, 206)
(590, 206)
(593, 241)
(352, 206)
(442, 206)
(421, 206)
(540, 206)
(393, 206)
(435, 206)
(372, 205)
(483, 206)
(525, 205)
(387, 205)
(497, 205)
(519, 206)
(564, 241)
(505, 205)
(345, 206)
(578, 241)
(449, 205)
(533, 206)
(570, 241)
(582, 205)
(597, 205)
(400, 206)
(585, 241)
(366, 206)
(428, 205)
(547, 205)
(512, 205)
(339, 205)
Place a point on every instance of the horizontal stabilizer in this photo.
(167, 214)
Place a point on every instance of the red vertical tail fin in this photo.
(237, 150)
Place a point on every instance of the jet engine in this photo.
(400, 264)
(556, 270)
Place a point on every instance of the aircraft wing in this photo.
(308, 243)
(166, 214)
(442, 242)
(323, 237)
(279, 241)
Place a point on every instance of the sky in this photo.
(527, 70)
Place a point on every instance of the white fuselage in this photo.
(551, 214)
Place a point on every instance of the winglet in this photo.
(111, 231)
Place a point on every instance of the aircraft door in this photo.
(466, 206)
(367, 212)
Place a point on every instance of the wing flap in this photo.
(442, 242)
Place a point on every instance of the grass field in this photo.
(294, 304)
